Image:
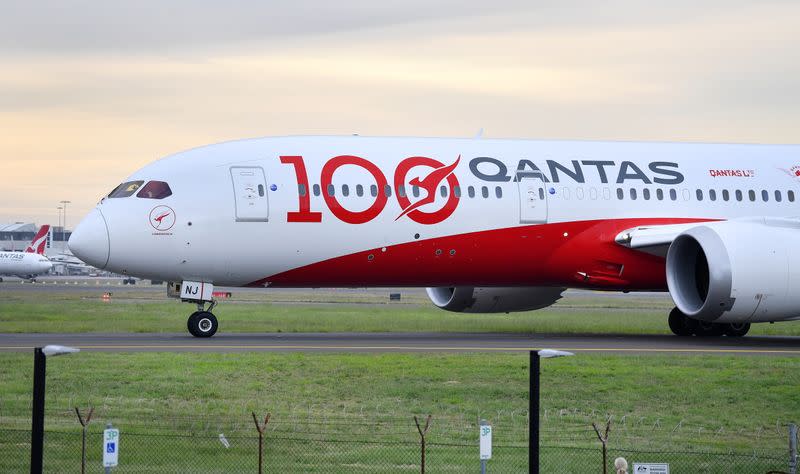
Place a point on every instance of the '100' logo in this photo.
(428, 184)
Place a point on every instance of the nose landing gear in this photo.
(203, 323)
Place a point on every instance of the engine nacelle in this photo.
(466, 299)
(737, 271)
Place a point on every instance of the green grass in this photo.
(147, 310)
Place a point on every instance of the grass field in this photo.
(148, 310)
(663, 403)
(353, 412)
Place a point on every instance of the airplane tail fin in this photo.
(39, 241)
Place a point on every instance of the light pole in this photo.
(65, 217)
(59, 221)
(533, 405)
(37, 416)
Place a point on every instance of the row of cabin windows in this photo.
(633, 193)
(401, 191)
(712, 195)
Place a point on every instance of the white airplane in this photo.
(487, 225)
(30, 263)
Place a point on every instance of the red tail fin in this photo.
(39, 241)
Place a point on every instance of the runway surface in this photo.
(405, 342)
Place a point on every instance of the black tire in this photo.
(202, 324)
(680, 324)
(707, 329)
(191, 323)
(736, 329)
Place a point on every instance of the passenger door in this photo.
(250, 194)
(532, 197)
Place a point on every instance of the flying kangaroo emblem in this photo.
(429, 184)
(161, 217)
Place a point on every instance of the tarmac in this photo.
(405, 342)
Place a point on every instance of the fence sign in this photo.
(486, 441)
(650, 468)
(110, 447)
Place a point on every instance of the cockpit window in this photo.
(125, 189)
(155, 190)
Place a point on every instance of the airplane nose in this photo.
(89, 241)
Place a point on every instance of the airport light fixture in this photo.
(40, 355)
(533, 404)
(65, 215)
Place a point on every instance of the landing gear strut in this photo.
(203, 323)
(682, 325)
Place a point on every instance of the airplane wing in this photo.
(654, 239)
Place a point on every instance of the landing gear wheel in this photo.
(736, 329)
(680, 324)
(202, 324)
(707, 329)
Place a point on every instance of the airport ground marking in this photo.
(212, 347)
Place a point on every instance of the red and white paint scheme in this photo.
(30, 263)
(485, 225)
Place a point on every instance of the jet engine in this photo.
(737, 271)
(467, 299)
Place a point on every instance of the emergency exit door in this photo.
(532, 198)
(250, 194)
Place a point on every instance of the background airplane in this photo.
(29, 263)
(486, 225)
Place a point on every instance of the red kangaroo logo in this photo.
(161, 217)
(429, 185)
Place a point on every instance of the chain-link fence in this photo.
(381, 446)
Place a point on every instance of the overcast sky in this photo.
(90, 91)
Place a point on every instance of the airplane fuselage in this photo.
(358, 211)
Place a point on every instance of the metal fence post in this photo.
(422, 432)
(37, 423)
(533, 414)
(83, 435)
(604, 440)
(261, 429)
(792, 448)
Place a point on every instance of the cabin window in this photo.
(778, 197)
(316, 190)
(764, 195)
(415, 191)
(471, 191)
(726, 196)
(484, 192)
(401, 191)
(673, 194)
(443, 191)
(579, 193)
(660, 194)
(738, 195)
(158, 190)
(752, 195)
(359, 190)
(646, 194)
(457, 191)
(620, 194)
(712, 194)
(331, 190)
(699, 194)
(373, 190)
(633, 194)
(790, 196)
(125, 189)
(345, 190)
(541, 194)
(387, 191)
(498, 191)
(301, 189)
